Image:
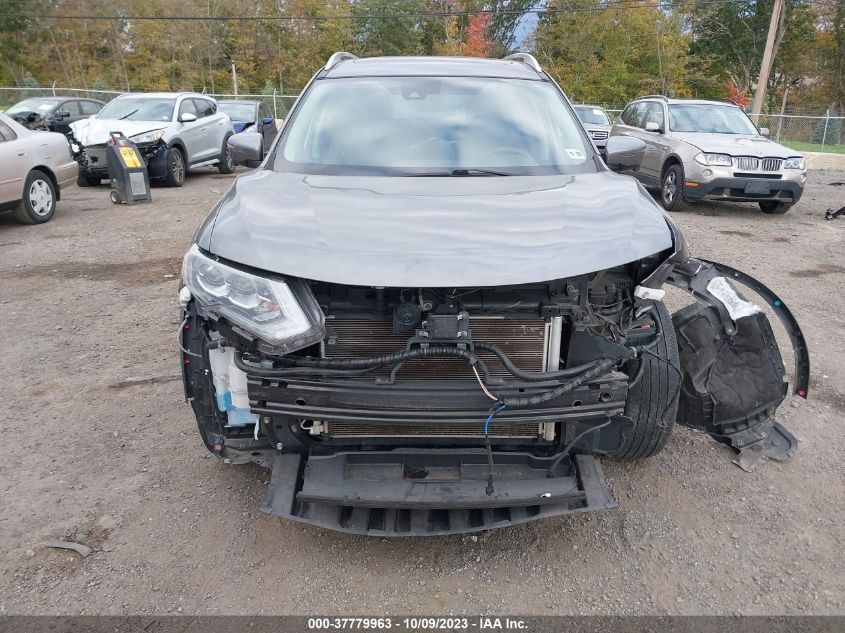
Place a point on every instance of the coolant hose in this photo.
(527, 375)
(360, 363)
(527, 402)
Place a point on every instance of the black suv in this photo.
(432, 305)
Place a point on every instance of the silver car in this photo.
(697, 149)
(174, 132)
(34, 166)
(597, 124)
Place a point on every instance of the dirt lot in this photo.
(100, 448)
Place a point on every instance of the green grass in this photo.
(814, 147)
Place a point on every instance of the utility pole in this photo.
(766, 66)
(234, 80)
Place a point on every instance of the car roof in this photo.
(246, 101)
(432, 66)
(165, 95)
(674, 101)
(587, 105)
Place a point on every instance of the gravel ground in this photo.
(101, 449)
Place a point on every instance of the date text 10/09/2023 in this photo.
(480, 623)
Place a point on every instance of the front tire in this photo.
(226, 165)
(653, 399)
(772, 207)
(39, 199)
(672, 189)
(175, 166)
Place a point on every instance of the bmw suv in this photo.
(710, 150)
(173, 131)
(432, 305)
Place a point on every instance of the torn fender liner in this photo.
(732, 366)
(428, 492)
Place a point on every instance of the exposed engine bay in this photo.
(404, 411)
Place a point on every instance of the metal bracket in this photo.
(768, 440)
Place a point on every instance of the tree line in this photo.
(601, 51)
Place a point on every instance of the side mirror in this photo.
(267, 120)
(187, 117)
(624, 152)
(651, 126)
(764, 131)
(61, 114)
(245, 148)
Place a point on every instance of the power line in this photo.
(617, 5)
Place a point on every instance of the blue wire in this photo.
(492, 415)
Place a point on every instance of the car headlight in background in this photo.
(796, 162)
(282, 314)
(713, 160)
(147, 137)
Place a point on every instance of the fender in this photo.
(733, 373)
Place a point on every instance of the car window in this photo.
(6, 133)
(71, 107)
(264, 112)
(592, 116)
(710, 118)
(89, 107)
(139, 109)
(204, 107)
(633, 114)
(654, 115)
(407, 126)
(188, 107)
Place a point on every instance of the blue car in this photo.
(253, 116)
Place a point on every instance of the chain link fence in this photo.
(279, 104)
(803, 133)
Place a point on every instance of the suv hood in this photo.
(735, 145)
(96, 131)
(437, 232)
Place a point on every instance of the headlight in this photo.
(796, 162)
(147, 137)
(283, 314)
(713, 160)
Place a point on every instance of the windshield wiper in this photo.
(126, 116)
(462, 172)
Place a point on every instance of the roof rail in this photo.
(525, 58)
(338, 57)
(661, 97)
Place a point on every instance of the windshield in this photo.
(139, 109)
(238, 111)
(592, 116)
(32, 105)
(714, 119)
(433, 126)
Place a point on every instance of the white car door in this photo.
(213, 128)
(190, 131)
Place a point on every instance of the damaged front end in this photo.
(413, 411)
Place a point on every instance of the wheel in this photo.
(225, 166)
(175, 162)
(115, 199)
(653, 397)
(39, 199)
(87, 181)
(773, 207)
(672, 189)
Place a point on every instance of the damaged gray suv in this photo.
(433, 305)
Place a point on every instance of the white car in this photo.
(173, 131)
(34, 166)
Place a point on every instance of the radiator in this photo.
(523, 340)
